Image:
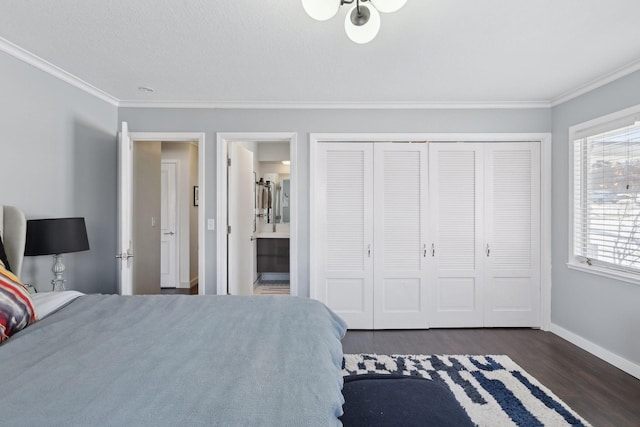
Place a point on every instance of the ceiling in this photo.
(248, 52)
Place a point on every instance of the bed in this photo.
(173, 360)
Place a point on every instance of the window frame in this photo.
(609, 122)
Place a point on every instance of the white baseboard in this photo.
(604, 354)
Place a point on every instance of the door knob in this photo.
(125, 255)
(170, 233)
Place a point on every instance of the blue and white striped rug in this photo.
(493, 390)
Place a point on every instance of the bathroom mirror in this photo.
(286, 192)
(272, 196)
(272, 199)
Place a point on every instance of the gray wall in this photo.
(59, 159)
(601, 310)
(304, 122)
(58, 154)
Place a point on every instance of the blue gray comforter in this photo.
(176, 360)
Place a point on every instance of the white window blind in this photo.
(606, 177)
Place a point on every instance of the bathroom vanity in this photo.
(272, 252)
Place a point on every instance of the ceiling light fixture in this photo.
(362, 22)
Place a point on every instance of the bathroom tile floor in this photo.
(271, 287)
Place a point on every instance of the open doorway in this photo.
(257, 242)
(179, 218)
(167, 213)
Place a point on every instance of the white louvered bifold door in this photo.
(512, 234)
(400, 200)
(344, 243)
(456, 227)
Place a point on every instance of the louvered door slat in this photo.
(456, 218)
(456, 183)
(511, 242)
(400, 180)
(343, 208)
(512, 292)
(401, 210)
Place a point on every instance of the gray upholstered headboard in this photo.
(13, 230)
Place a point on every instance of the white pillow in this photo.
(46, 303)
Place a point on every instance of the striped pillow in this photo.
(16, 307)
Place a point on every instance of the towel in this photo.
(265, 197)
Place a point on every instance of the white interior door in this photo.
(168, 226)
(456, 201)
(512, 230)
(400, 259)
(345, 250)
(125, 218)
(240, 219)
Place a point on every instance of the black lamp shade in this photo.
(56, 236)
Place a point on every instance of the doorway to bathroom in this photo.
(257, 237)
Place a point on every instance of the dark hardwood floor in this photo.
(598, 391)
(180, 291)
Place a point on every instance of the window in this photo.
(606, 195)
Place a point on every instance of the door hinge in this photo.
(229, 162)
(228, 229)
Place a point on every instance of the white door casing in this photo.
(125, 192)
(125, 175)
(240, 220)
(344, 220)
(223, 140)
(400, 285)
(169, 226)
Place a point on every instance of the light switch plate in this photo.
(211, 224)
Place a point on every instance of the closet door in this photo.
(512, 230)
(400, 201)
(344, 209)
(456, 206)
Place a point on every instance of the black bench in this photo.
(377, 400)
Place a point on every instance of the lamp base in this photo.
(58, 270)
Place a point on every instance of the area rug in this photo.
(493, 390)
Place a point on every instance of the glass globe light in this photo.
(321, 10)
(388, 6)
(362, 28)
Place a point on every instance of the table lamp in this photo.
(55, 237)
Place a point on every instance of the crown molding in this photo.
(336, 105)
(596, 83)
(43, 65)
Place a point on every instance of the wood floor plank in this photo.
(601, 393)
